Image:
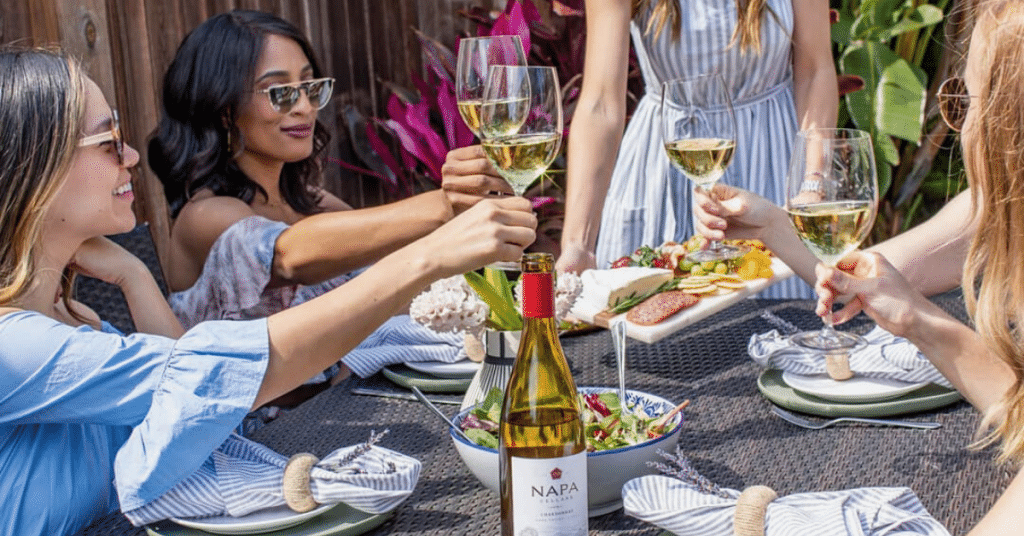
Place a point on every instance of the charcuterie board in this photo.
(707, 306)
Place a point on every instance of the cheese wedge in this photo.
(605, 288)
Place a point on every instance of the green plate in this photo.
(931, 396)
(408, 378)
(342, 520)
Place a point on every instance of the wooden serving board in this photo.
(707, 306)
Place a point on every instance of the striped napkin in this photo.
(242, 477)
(677, 507)
(402, 340)
(885, 356)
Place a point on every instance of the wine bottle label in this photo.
(549, 496)
(538, 295)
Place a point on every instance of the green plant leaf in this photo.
(842, 30)
(505, 315)
(876, 17)
(499, 281)
(861, 60)
(920, 17)
(884, 175)
(886, 149)
(899, 100)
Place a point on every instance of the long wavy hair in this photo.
(42, 110)
(993, 148)
(210, 78)
(666, 12)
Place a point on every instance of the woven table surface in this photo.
(729, 433)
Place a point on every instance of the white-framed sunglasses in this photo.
(113, 135)
(284, 96)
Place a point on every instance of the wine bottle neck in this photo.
(538, 295)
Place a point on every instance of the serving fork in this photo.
(818, 425)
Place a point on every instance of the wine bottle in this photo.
(542, 450)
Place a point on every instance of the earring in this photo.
(231, 146)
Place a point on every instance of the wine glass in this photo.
(832, 199)
(476, 56)
(521, 122)
(699, 132)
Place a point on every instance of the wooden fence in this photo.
(127, 45)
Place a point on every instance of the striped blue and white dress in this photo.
(648, 202)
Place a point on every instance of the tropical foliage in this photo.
(893, 49)
(407, 149)
(896, 47)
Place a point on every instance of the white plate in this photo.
(856, 389)
(458, 369)
(269, 520)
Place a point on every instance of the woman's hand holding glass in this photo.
(467, 175)
(699, 132)
(877, 287)
(521, 122)
(832, 199)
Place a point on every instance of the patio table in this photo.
(729, 433)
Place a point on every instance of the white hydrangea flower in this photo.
(568, 287)
(450, 305)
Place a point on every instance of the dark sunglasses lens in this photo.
(283, 97)
(320, 92)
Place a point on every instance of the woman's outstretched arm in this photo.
(596, 131)
(307, 338)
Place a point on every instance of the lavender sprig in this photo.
(359, 451)
(679, 467)
(783, 325)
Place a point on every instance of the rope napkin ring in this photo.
(751, 508)
(295, 484)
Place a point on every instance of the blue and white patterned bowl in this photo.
(607, 470)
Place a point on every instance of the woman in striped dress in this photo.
(775, 57)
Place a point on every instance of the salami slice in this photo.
(661, 306)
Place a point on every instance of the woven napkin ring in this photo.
(751, 507)
(295, 485)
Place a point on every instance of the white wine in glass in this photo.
(476, 56)
(702, 160)
(699, 131)
(832, 200)
(529, 99)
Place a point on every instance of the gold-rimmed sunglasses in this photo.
(953, 102)
(113, 136)
(284, 96)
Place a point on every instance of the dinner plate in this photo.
(929, 397)
(408, 378)
(856, 389)
(458, 369)
(330, 520)
(262, 521)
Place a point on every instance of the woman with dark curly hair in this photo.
(239, 150)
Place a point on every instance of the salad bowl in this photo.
(607, 470)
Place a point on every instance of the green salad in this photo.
(605, 424)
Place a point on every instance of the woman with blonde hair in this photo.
(976, 241)
(85, 410)
(775, 57)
